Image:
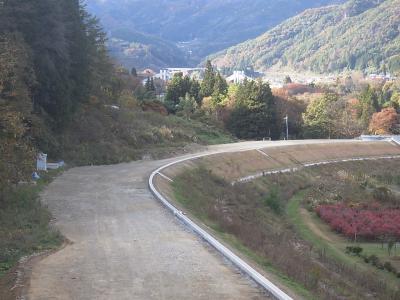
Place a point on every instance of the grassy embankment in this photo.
(98, 136)
(109, 136)
(261, 222)
(194, 206)
(24, 223)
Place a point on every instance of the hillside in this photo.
(270, 220)
(61, 95)
(140, 50)
(358, 35)
(197, 27)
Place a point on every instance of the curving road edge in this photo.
(237, 261)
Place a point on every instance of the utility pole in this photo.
(287, 126)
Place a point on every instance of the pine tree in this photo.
(194, 91)
(220, 85)
(178, 88)
(368, 105)
(255, 114)
(134, 72)
(147, 84)
(208, 83)
(16, 83)
(187, 105)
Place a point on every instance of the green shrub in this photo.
(356, 250)
(24, 224)
(389, 267)
(273, 201)
(374, 259)
(382, 194)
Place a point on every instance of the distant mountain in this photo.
(195, 27)
(358, 35)
(135, 49)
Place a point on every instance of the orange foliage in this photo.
(384, 122)
(298, 88)
(281, 93)
(156, 107)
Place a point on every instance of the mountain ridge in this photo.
(329, 39)
(197, 28)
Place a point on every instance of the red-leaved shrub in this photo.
(368, 223)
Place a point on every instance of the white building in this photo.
(386, 76)
(168, 73)
(238, 77)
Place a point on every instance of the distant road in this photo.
(126, 245)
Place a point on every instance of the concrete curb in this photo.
(237, 261)
(307, 165)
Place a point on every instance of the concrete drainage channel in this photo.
(307, 165)
(237, 261)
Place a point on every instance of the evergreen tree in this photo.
(187, 105)
(194, 91)
(208, 83)
(220, 85)
(134, 72)
(67, 49)
(17, 81)
(147, 85)
(255, 114)
(178, 88)
(368, 105)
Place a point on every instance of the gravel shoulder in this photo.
(125, 245)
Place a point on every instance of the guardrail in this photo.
(237, 261)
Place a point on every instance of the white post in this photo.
(287, 126)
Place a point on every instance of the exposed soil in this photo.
(125, 245)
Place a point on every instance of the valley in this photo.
(202, 149)
(197, 28)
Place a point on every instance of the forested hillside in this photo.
(144, 50)
(59, 93)
(197, 27)
(358, 35)
(53, 59)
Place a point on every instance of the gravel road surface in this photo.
(126, 245)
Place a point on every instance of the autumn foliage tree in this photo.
(384, 122)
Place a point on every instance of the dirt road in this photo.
(126, 245)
